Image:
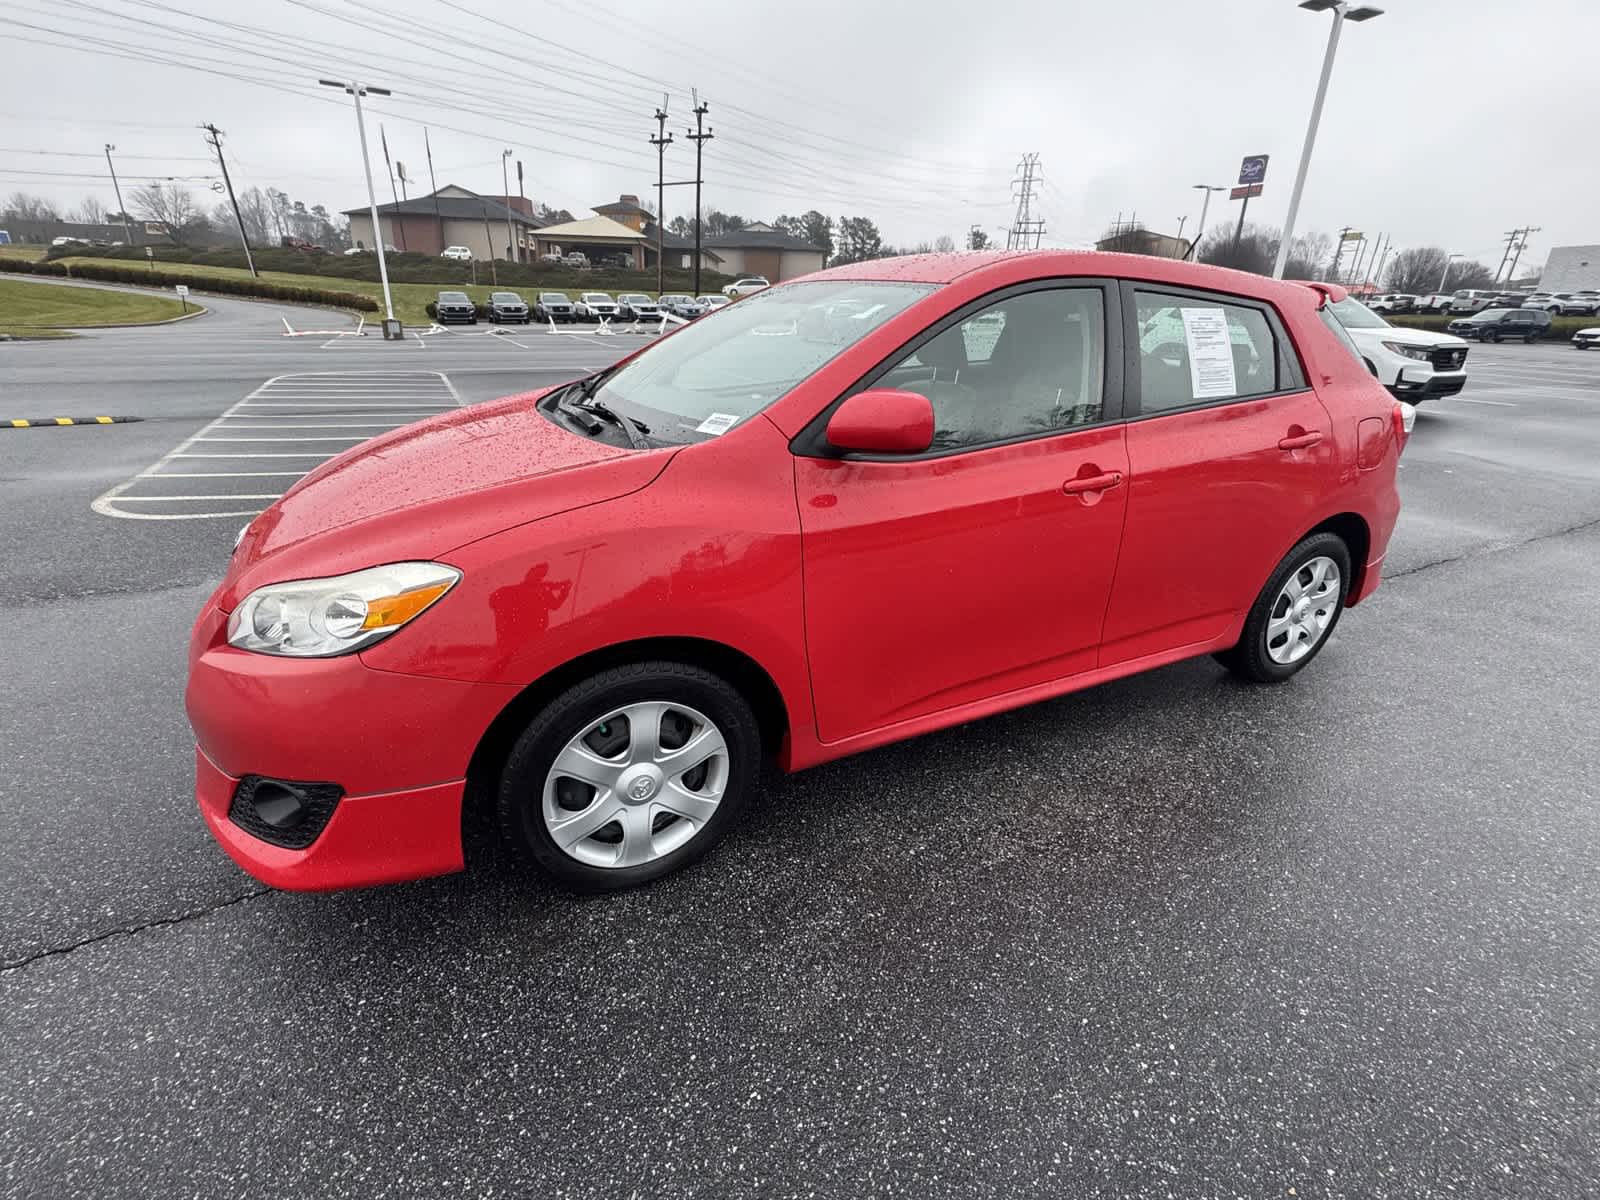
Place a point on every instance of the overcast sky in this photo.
(1448, 121)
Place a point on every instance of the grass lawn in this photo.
(409, 298)
(26, 253)
(23, 331)
(30, 307)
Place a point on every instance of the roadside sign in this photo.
(149, 252)
(1355, 235)
(182, 289)
(1244, 193)
(1253, 169)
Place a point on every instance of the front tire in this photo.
(1295, 613)
(630, 775)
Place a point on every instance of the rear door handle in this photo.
(1092, 483)
(1300, 441)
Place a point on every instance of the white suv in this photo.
(460, 253)
(1414, 364)
(1566, 304)
(746, 286)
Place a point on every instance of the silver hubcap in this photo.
(636, 784)
(1303, 610)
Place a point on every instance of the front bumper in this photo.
(1429, 387)
(396, 745)
(1585, 340)
(465, 318)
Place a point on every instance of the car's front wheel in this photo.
(1295, 613)
(630, 775)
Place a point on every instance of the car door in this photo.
(983, 565)
(1230, 455)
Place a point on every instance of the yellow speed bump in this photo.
(50, 422)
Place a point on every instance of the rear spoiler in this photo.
(1326, 292)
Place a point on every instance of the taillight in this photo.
(1404, 417)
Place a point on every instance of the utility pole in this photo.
(1024, 224)
(1338, 253)
(1511, 239)
(488, 240)
(1388, 245)
(398, 224)
(1450, 258)
(505, 182)
(391, 327)
(699, 137)
(1522, 244)
(127, 230)
(434, 184)
(215, 141)
(661, 141)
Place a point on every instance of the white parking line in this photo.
(1492, 403)
(370, 401)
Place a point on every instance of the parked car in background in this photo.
(455, 308)
(459, 253)
(636, 306)
(1503, 324)
(1414, 364)
(575, 259)
(553, 259)
(1582, 304)
(1394, 302)
(1509, 300)
(67, 241)
(714, 300)
(1544, 300)
(781, 537)
(1587, 339)
(1438, 302)
(747, 285)
(684, 306)
(594, 305)
(1470, 300)
(554, 306)
(508, 308)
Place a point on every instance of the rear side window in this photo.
(1339, 332)
(1197, 351)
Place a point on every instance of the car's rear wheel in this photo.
(1295, 613)
(630, 775)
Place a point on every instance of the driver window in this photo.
(1030, 364)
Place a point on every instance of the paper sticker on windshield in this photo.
(721, 423)
(1210, 353)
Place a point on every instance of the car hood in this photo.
(421, 491)
(1405, 336)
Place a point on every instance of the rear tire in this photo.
(646, 815)
(1283, 633)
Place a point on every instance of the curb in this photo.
(53, 422)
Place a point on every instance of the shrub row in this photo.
(145, 277)
(412, 268)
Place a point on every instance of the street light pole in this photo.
(1450, 258)
(1200, 230)
(505, 182)
(127, 230)
(357, 91)
(1342, 12)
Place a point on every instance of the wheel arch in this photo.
(1353, 530)
(753, 681)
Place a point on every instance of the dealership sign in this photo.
(1253, 170)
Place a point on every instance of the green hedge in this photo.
(1561, 328)
(145, 277)
(412, 268)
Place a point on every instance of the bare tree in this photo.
(1468, 273)
(944, 243)
(257, 214)
(25, 207)
(1416, 270)
(174, 208)
(91, 211)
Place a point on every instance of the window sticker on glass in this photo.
(1210, 353)
(717, 423)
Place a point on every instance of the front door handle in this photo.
(1092, 483)
(1299, 441)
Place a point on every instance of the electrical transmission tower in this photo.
(1026, 228)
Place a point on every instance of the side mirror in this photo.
(882, 421)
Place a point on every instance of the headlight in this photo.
(318, 618)
(1408, 351)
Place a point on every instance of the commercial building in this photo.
(759, 249)
(677, 249)
(452, 216)
(1571, 269)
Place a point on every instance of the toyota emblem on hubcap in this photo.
(642, 788)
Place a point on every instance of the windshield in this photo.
(510, 296)
(704, 379)
(1353, 314)
(453, 297)
(673, 298)
(597, 297)
(557, 297)
(635, 298)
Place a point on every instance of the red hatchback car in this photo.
(884, 499)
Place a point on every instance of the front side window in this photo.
(709, 376)
(1194, 351)
(1030, 364)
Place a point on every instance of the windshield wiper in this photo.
(632, 429)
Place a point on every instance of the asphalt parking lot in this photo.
(1173, 936)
